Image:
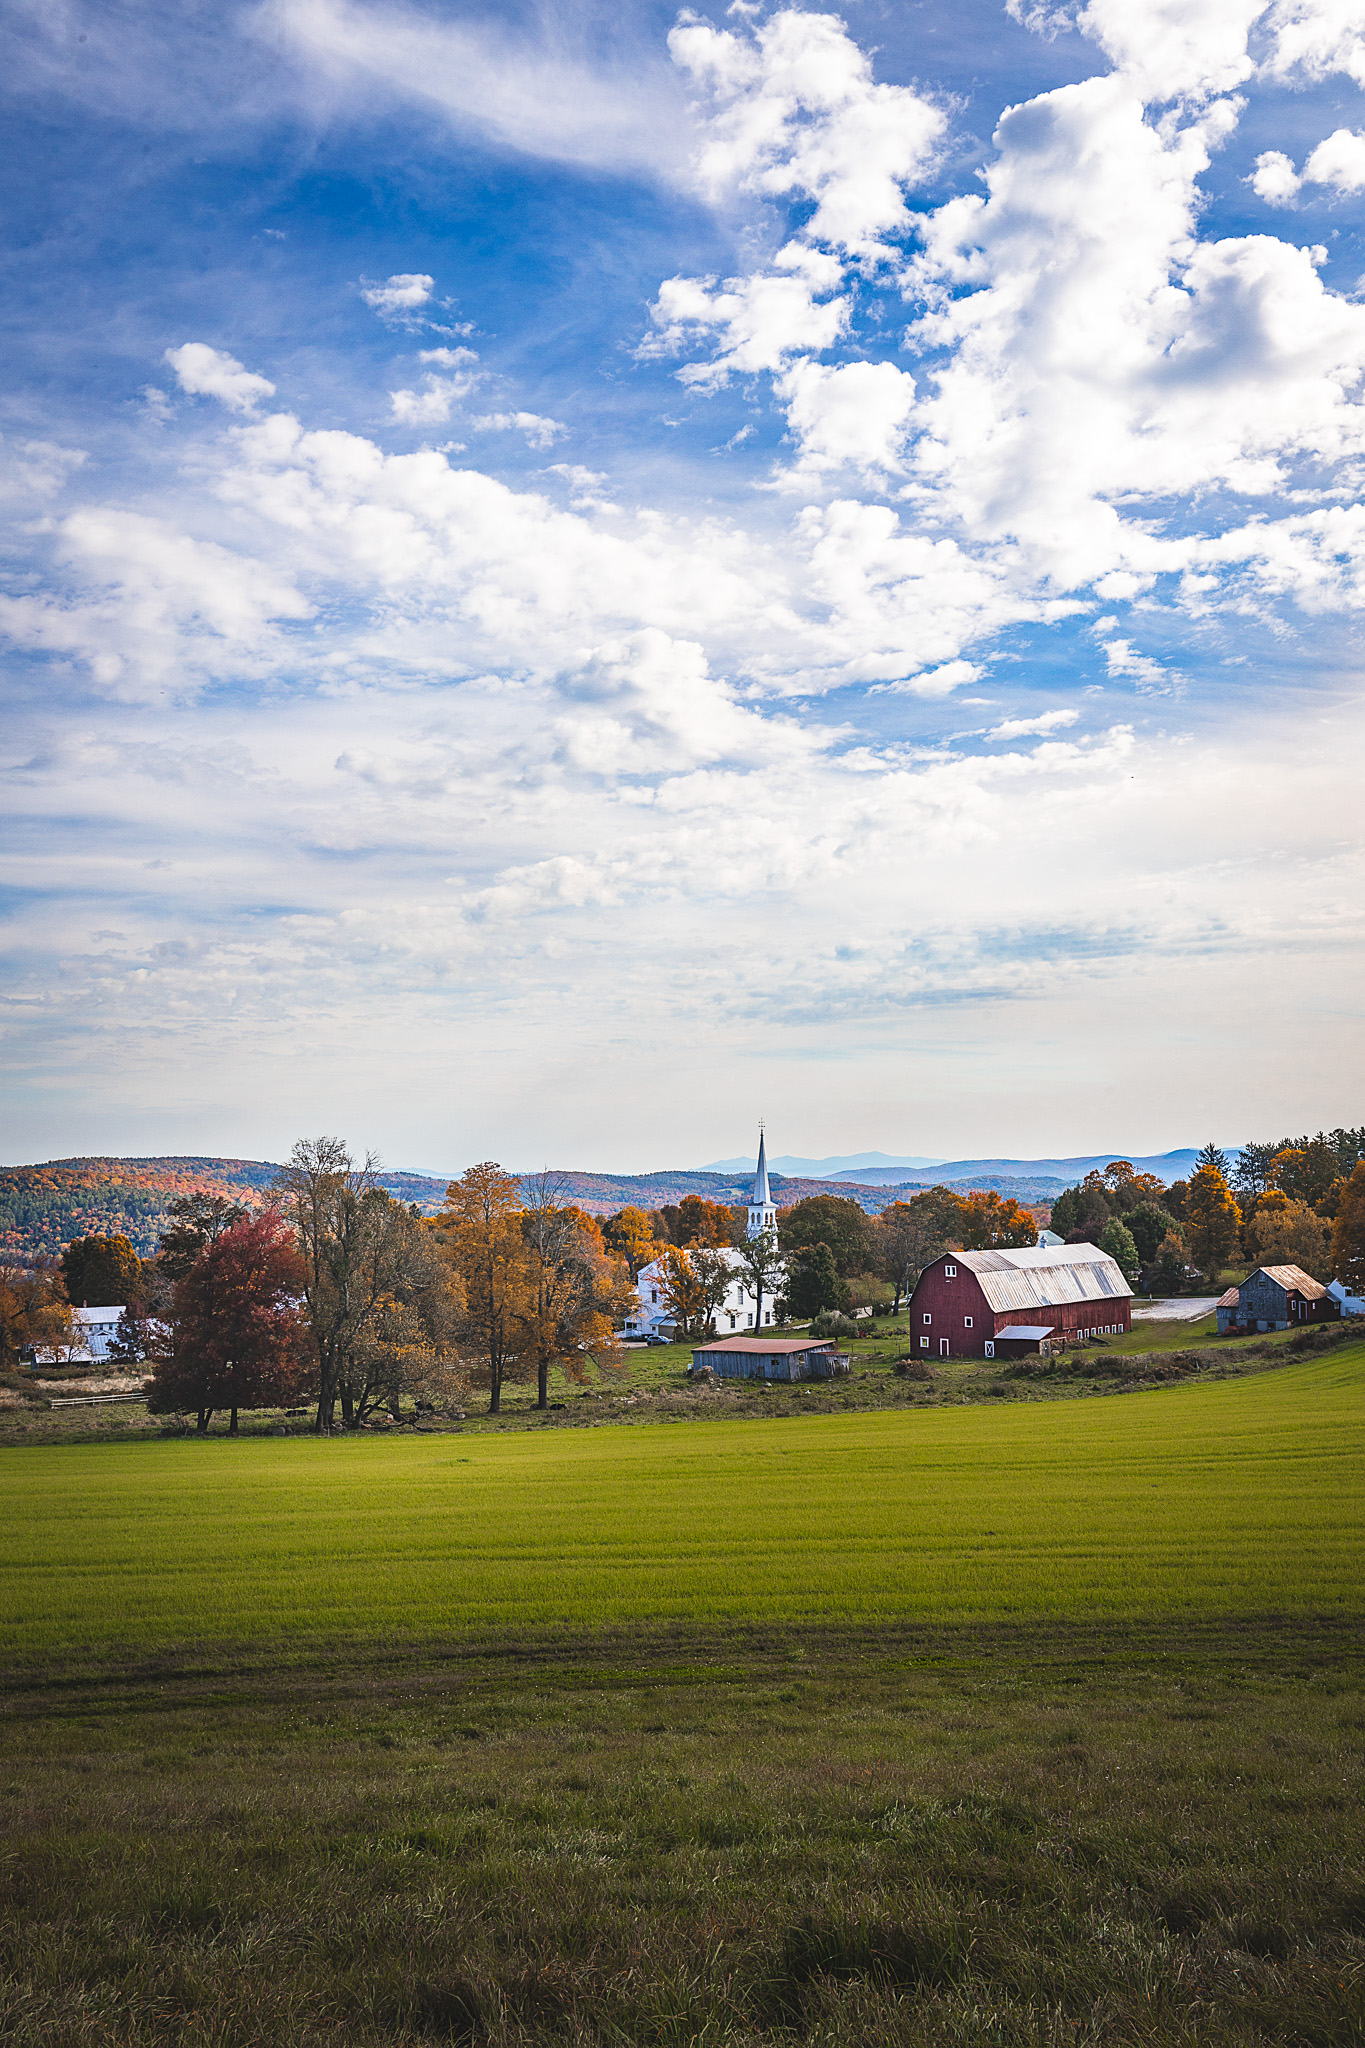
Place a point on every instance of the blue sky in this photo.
(576, 576)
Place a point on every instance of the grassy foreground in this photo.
(1232, 1497)
(1033, 1724)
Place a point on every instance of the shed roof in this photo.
(773, 1346)
(1231, 1299)
(1294, 1280)
(1033, 1331)
(1043, 1276)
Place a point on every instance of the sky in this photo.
(580, 575)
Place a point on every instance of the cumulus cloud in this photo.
(1027, 728)
(539, 431)
(401, 294)
(209, 372)
(1338, 161)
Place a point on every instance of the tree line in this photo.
(1277, 1204)
(339, 1295)
(826, 1257)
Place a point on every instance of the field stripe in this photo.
(1236, 1497)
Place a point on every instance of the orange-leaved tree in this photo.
(1348, 1233)
(683, 1289)
(34, 1312)
(989, 1223)
(574, 1293)
(629, 1235)
(1211, 1221)
(481, 1231)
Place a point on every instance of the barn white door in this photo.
(943, 1347)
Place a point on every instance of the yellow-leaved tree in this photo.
(574, 1293)
(629, 1235)
(481, 1233)
(1212, 1219)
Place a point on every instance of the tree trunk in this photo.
(494, 1388)
(202, 1424)
(232, 1426)
(347, 1408)
(543, 1383)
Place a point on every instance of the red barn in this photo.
(999, 1304)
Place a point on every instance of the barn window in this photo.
(928, 1318)
(950, 1272)
(924, 1343)
(966, 1322)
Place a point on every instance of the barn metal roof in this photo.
(1294, 1280)
(1034, 1332)
(1228, 1300)
(774, 1346)
(1044, 1276)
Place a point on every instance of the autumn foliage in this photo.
(237, 1336)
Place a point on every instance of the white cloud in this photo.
(525, 91)
(1274, 178)
(1173, 49)
(539, 431)
(210, 373)
(1026, 728)
(586, 492)
(433, 404)
(759, 322)
(855, 414)
(1124, 661)
(934, 682)
(402, 293)
(794, 110)
(1338, 161)
(1314, 38)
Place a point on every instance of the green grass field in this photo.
(1018, 1722)
(1237, 1497)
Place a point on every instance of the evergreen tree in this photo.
(1118, 1242)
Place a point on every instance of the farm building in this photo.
(1004, 1303)
(771, 1358)
(1273, 1298)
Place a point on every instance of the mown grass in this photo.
(1234, 1497)
(946, 1836)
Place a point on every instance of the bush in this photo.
(832, 1323)
(909, 1367)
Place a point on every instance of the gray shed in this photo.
(771, 1358)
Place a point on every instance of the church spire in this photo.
(762, 1210)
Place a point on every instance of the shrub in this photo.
(831, 1322)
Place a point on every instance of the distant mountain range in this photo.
(1167, 1166)
(43, 1207)
(820, 1169)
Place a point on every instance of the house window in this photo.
(950, 1272)
(928, 1318)
(966, 1322)
(654, 1296)
(732, 1322)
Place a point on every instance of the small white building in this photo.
(1349, 1304)
(737, 1310)
(92, 1332)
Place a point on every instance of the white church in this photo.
(736, 1312)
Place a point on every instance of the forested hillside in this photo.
(43, 1207)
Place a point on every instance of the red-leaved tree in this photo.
(236, 1336)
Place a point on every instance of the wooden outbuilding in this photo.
(771, 1358)
(1275, 1298)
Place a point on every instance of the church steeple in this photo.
(762, 1210)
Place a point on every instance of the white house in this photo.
(92, 1332)
(1348, 1303)
(737, 1310)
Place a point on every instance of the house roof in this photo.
(1033, 1331)
(1043, 1276)
(773, 1346)
(1294, 1280)
(1232, 1299)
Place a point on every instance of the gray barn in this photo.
(771, 1358)
(1273, 1298)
